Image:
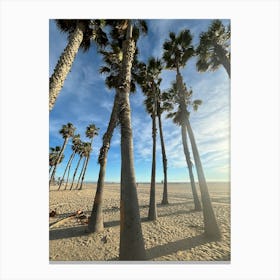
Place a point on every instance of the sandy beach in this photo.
(177, 235)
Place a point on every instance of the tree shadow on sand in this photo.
(67, 232)
(180, 245)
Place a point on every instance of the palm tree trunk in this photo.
(50, 169)
(131, 238)
(210, 222)
(81, 173)
(164, 161)
(180, 85)
(197, 205)
(85, 169)
(58, 159)
(96, 220)
(69, 172)
(226, 65)
(84, 172)
(75, 172)
(152, 215)
(64, 64)
(69, 161)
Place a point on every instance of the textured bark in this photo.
(67, 166)
(131, 238)
(164, 162)
(197, 205)
(210, 222)
(96, 220)
(75, 172)
(152, 215)
(58, 160)
(64, 64)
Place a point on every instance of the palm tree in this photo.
(214, 48)
(96, 219)
(86, 150)
(80, 152)
(113, 61)
(210, 222)
(66, 131)
(150, 86)
(80, 33)
(91, 131)
(53, 158)
(75, 140)
(177, 51)
(177, 105)
(131, 238)
(160, 110)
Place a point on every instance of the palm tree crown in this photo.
(91, 131)
(214, 48)
(67, 130)
(92, 30)
(178, 50)
(178, 109)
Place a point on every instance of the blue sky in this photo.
(85, 99)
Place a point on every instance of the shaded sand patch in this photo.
(177, 235)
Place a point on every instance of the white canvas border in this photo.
(254, 138)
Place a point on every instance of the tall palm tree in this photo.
(75, 140)
(177, 51)
(91, 131)
(214, 48)
(66, 131)
(113, 61)
(176, 105)
(80, 33)
(131, 238)
(210, 222)
(160, 110)
(150, 86)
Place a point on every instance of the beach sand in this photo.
(177, 235)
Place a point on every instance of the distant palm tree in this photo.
(81, 154)
(214, 48)
(150, 87)
(53, 158)
(176, 106)
(66, 131)
(91, 131)
(80, 33)
(131, 238)
(86, 150)
(75, 140)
